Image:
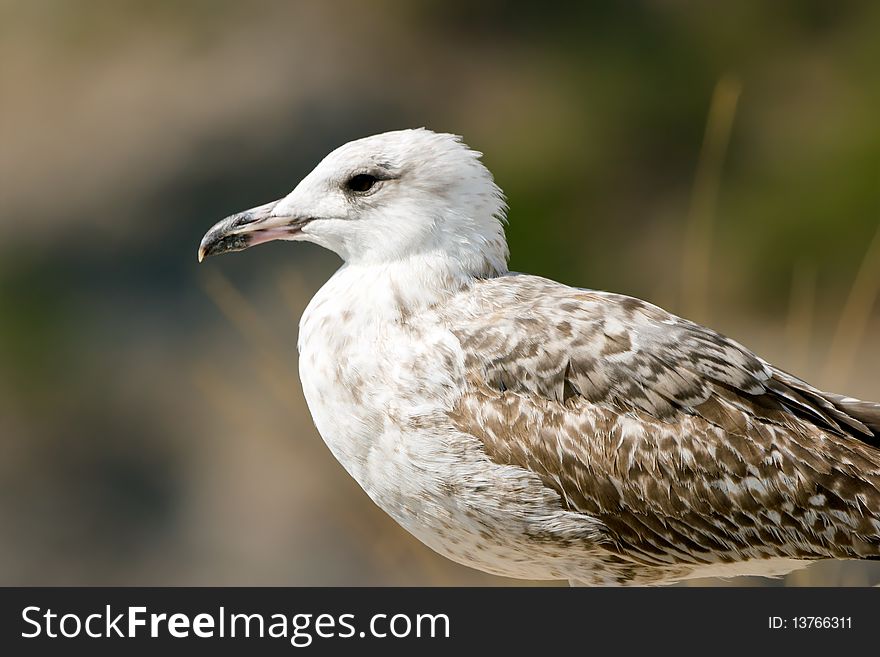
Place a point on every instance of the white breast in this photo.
(379, 391)
(369, 382)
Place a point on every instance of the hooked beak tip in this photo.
(230, 234)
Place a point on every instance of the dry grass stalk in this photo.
(697, 250)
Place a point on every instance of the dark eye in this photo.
(362, 182)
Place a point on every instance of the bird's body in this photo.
(534, 430)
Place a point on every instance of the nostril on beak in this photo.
(245, 218)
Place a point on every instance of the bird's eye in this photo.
(362, 182)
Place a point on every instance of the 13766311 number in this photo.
(810, 623)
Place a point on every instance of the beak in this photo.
(250, 228)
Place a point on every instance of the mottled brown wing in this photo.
(687, 446)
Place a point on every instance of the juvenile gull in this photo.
(535, 430)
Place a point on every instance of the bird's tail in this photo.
(868, 413)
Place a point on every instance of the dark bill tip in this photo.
(217, 243)
(234, 233)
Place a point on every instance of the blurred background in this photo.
(720, 160)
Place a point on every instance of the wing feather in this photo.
(686, 445)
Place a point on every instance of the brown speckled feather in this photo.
(689, 448)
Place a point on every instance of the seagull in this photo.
(534, 430)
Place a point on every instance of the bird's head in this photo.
(382, 199)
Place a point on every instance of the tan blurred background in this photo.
(720, 160)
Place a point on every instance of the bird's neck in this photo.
(394, 291)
